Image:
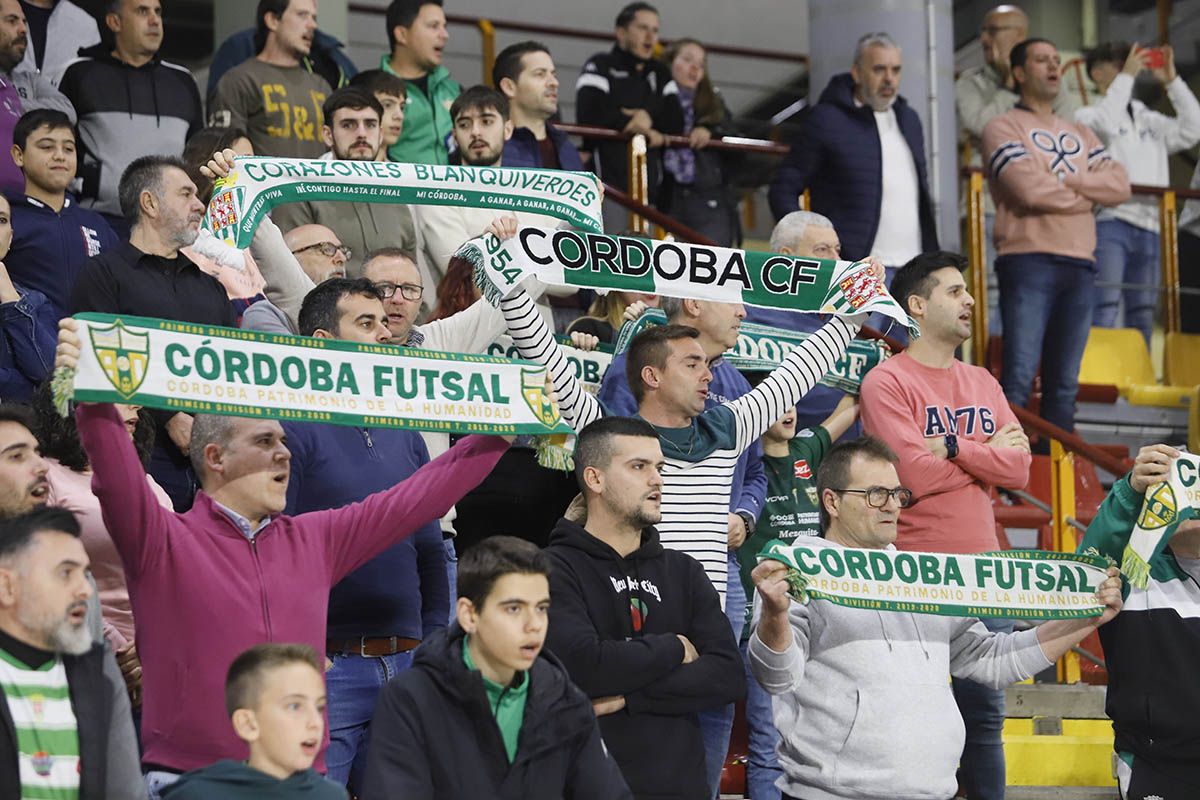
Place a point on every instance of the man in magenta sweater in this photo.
(233, 571)
(955, 435)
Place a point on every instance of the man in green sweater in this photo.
(417, 34)
(1152, 649)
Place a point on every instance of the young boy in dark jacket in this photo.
(639, 627)
(275, 695)
(483, 712)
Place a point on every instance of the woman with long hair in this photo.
(694, 189)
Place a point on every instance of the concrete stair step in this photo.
(1060, 793)
(1074, 701)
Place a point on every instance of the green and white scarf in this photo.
(763, 348)
(257, 184)
(1166, 505)
(674, 269)
(589, 365)
(211, 370)
(1017, 584)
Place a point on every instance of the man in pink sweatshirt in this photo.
(955, 436)
(1047, 175)
(233, 571)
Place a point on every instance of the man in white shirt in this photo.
(861, 154)
(1127, 236)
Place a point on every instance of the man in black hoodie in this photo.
(484, 712)
(640, 628)
(130, 103)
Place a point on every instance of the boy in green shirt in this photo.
(791, 510)
(275, 695)
(485, 711)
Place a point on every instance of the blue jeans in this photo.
(995, 322)
(1046, 302)
(981, 768)
(353, 684)
(717, 723)
(452, 576)
(762, 764)
(1126, 254)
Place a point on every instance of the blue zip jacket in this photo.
(839, 159)
(404, 590)
(49, 248)
(522, 149)
(749, 489)
(27, 346)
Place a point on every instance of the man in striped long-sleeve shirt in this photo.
(669, 375)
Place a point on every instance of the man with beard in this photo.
(149, 277)
(21, 90)
(65, 727)
(862, 155)
(272, 96)
(481, 127)
(639, 627)
(352, 133)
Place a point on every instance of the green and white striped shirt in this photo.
(39, 701)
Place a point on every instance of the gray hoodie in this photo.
(862, 698)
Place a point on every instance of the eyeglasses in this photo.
(328, 249)
(409, 291)
(877, 496)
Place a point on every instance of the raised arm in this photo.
(287, 284)
(358, 532)
(779, 643)
(800, 371)
(1114, 522)
(535, 342)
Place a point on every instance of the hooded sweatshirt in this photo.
(862, 698)
(435, 736)
(615, 623)
(425, 138)
(126, 112)
(233, 780)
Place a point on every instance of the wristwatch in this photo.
(748, 518)
(951, 445)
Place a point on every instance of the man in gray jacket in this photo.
(862, 698)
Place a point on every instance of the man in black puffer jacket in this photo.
(483, 713)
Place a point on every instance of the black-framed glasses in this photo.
(409, 291)
(877, 496)
(328, 249)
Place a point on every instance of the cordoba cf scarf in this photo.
(675, 269)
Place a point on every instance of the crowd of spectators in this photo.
(215, 606)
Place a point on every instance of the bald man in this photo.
(983, 93)
(319, 250)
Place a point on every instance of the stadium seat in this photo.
(1119, 357)
(1181, 359)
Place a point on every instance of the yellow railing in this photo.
(976, 236)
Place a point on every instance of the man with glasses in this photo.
(955, 437)
(320, 254)
(862, 700)
(352, 132)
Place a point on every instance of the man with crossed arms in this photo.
(862, 697)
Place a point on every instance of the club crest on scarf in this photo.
(123, 355)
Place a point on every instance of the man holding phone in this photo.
(1127, 236)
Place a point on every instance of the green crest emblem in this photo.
(533, 391)
(123, 355)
